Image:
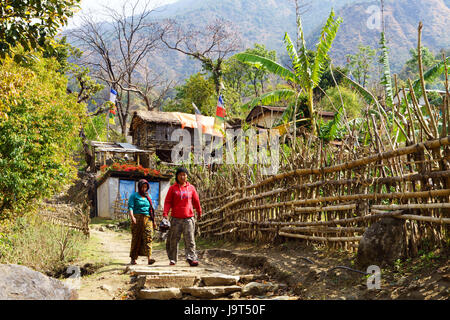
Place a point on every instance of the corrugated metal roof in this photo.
(127, 145)
(120, 147)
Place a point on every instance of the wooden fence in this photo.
(66, 215)
(335, 204)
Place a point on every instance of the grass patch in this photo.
(102, 221)
(92, 252)
(36, 243)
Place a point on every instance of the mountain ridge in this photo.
(266, 21)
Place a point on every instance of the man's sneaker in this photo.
(172, 262)
(192, 263)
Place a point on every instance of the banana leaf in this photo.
(270, 65)
(292, 53)
(327, 37)
(432, 74)
(270, 98)
(305, 75)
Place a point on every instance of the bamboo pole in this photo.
(328, 208)
(424, 218)
(383, 180)
(412, 206)
(323, 230)
(324, 239)
(418, 111)
(336, 222)
(372, 196)
(422, 82)
(355, 163)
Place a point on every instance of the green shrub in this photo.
(33, 242)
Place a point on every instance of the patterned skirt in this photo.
(141, 237)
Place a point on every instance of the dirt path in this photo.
(418, 279)
(111, 249)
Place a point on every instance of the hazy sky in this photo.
(97, 5)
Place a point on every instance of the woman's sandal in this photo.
(151, 261)
(133, 262)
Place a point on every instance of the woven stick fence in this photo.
(334, 204)
(66, 215)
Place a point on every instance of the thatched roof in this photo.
(173, 118)
(158, 117)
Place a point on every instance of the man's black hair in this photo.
(179, 170)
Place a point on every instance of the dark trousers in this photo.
(177, 228)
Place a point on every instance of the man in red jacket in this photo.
(182, 198)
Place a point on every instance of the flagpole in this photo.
(107, 125)
(112, 99)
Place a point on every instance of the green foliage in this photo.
(197, 89)
(361, 64)
(411, 67)
(386, 79)
(431, 75)
(352, 102)
(306, 74)
(31, 24)
(95, 128)
(246, 78)
(79, 76)
(39, 134)
(40, 245)
(333, 129)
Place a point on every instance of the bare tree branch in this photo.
(209, 44)
(117, 50)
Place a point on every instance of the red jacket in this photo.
(180, 200)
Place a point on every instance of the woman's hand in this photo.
(133, 219)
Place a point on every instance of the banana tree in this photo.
(305, 74)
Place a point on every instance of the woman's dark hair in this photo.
(141, 184)
(180, 170)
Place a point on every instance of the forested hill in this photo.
(266, 21)
(401, 18)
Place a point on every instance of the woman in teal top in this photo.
(141, 211)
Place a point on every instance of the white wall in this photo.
(106, 196)
(163, 189)
(103, 200)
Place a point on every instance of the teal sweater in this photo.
(139, 204)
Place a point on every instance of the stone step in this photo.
(160, 294)
(210, 292)
(219, 279)
(144, 272)
(244, 278)
(168, 281)
(150, 270)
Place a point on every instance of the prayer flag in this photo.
(220, 114)
(112, 95)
